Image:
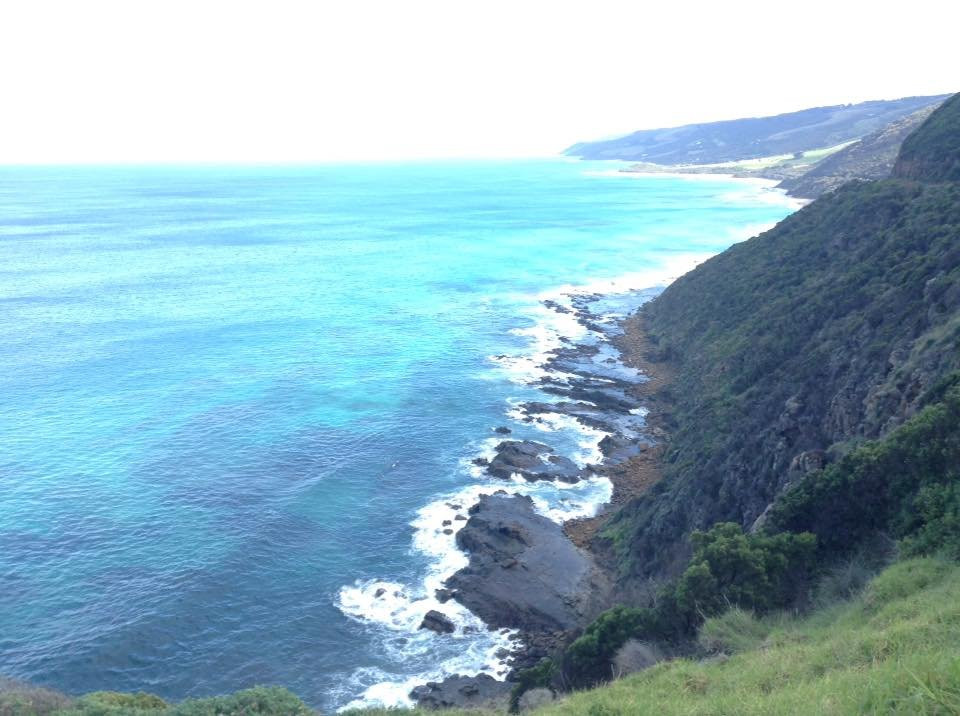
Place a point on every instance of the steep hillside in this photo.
(932, 154)
(756, 137)
(790, 348)
(870, 158)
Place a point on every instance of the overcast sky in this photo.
(278, 81)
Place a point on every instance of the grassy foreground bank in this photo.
(892, 649)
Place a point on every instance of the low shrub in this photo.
(736, 630)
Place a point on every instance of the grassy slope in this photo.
(895, 649)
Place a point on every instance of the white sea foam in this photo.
(588, 437)
(544, 337)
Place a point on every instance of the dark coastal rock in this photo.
(619, 448)
(517, 456)
(481, 691)
(502, 430)
(524, 572)
(438, 622)
(604, 395)
(443, 595)
(558, 307)
(532, 461)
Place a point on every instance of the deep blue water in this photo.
(227, 392)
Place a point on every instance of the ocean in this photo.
(238, 402)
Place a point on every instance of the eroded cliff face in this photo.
(792, 347)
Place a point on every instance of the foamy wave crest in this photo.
(587, 438)
(546, 335)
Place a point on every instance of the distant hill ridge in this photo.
(755, 137)
(870, 158)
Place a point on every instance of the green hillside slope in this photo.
(791, 347)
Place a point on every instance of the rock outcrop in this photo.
(524, 573)
(532, 461)
(438, 622)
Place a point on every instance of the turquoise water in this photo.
(228, 392)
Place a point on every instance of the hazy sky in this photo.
(273, 80)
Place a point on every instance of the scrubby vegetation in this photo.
(728, 568)
(906, 485)
(790, 349)
(933, 154)
(895, 649)
(21, 700)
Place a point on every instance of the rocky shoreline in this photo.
(526, 573)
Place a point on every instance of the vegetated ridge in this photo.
(755, 137)
(867, 159)
(810, 164)
(792, 348)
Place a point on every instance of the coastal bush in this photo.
(905, 484)
(756, 572)
(589, 658)
(115, 703)
(259, 701)
(728, 569)
(22, 699)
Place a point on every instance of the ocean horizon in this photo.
(241, 401)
